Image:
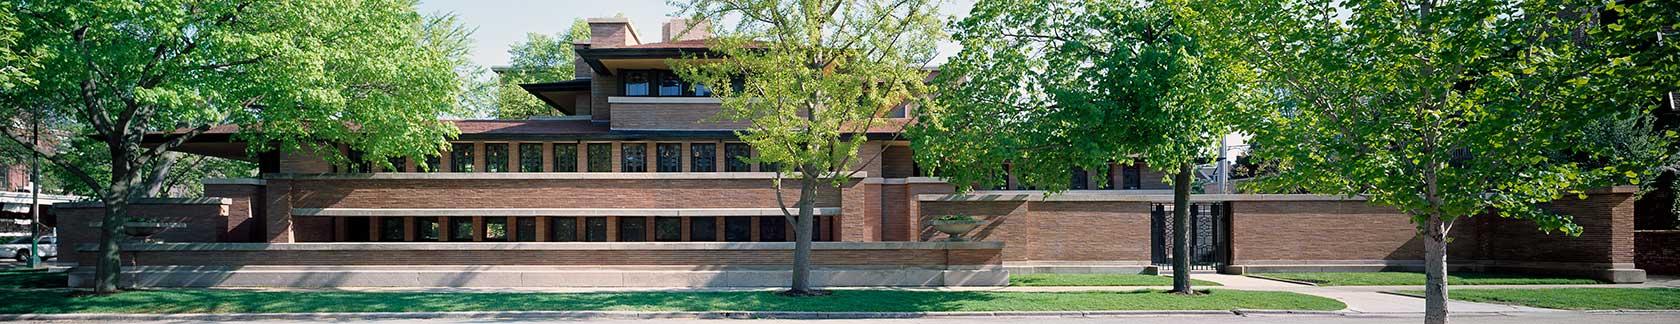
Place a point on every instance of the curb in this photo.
(631, 315)
(1298, 282)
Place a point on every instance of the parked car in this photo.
(18, 249)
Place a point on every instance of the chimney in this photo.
(677, 29)
(612, 32)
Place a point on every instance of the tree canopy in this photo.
(540, 58)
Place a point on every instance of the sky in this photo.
(501, 23)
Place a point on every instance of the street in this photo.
(1548, 318)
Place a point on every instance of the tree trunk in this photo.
(802, 237)
(1181, 230)
(109, 267)
(154, 185)
(1435, 269)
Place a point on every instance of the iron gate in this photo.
(1208, 244)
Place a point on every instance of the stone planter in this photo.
(144, 230)
(956, 228)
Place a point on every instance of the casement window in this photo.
(737, 229)
(434, 163)
(634, 157)
(702, 229)
(565, 157)
(1107, 174)
(461, 157)
(495, 229)
(357, 163)
(1081, 180)
(530, 157)
(562, 229)
(737, 153)
(1133, 175)
(772, 229)
(526, 228)
(460, 229)
(495, 157)
(391, 229)
(600, 157)
(704, 157)
(632, 229)
(398, 164)
(667, 229)
(427, 228)
(670, 157)
(595, 229)
(660, 83)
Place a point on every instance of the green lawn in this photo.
(1416, 279)
(15, 289)
(1574, 298)
(1106, 279)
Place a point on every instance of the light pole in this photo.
(35, 193)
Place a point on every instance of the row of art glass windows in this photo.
(573, 229)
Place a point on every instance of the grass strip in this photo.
(1106, 279)
(1417, 279)
(1573, 298)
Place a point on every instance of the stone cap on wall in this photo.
(235, 181)
(153, 201)
(1122, 196)
(669, 212)
(538, 176)
(444, 246)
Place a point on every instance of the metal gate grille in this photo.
(1208, 230)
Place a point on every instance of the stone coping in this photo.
(1122, 196)
(909, 180)
(235, 181)
(598, 246)
(153, 201)
(18, 197)
(664, 100)
(538, 176)
(632, 212)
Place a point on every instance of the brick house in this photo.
(637, 185)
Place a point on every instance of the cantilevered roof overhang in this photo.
(561, 95)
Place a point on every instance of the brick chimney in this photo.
(677, 29)
(612, 32)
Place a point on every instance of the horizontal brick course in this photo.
(545, 193)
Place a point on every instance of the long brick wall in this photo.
(1318, 231)
(544, 193)
(1658, 251)
(1054, 231)
(760, 255)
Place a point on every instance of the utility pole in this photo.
(35, 193)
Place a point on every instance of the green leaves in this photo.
(1049, 86)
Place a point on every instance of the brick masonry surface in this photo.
(1054, 231)
(914, 258)
(544, 193)
(1658, 251)
(205, 223)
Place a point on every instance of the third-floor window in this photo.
(659, 83)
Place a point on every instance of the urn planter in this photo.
(956, 228)
(144, 230)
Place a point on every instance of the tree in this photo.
(1444, 110)
(540, 58)
(1048, 86)
(813, 78)
(292, 75)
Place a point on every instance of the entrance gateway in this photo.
(1209, 235)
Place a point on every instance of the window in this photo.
(427, 228)
(397, 164)
(495, 228)
(356, 229)
(634, 157)
(699, 90)
(1132, 174)
(769, 167)
(495, 157)
(1080, 180)
(461, 157)
(600, 157)
(595, 229)
(461, 229)
(391, 229)
(357, 163)
(562, 229)
(772, 229)
(737, 229)
(670, 85)
(530, 157)
(636, 83)
(702, 229)
(526, 227)
(434, 163)
(704, 159)
(565, 157)
(667, 229)
(736, 152)
(632, 229)
(670, 157)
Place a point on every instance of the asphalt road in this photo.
(1559, 318)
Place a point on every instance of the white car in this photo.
(19, 249)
